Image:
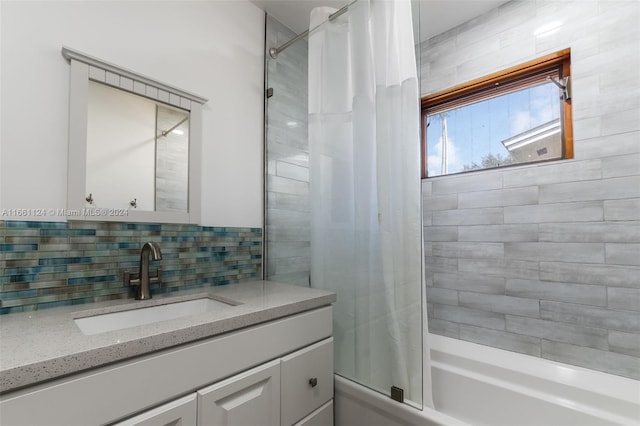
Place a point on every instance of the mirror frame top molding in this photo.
(84, 68)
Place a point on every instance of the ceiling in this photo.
(436, 16)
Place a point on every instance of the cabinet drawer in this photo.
(323, 416)
(307, 381)
(179, 412)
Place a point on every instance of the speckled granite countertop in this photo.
(42, 345)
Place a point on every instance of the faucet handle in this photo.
(131, 278)
(157, 277)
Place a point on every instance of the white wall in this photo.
(214, 49)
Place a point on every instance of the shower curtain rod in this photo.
(273, 52)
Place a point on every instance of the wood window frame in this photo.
(502, 82)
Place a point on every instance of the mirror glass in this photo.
(137, 152)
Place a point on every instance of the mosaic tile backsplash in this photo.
(48, 264)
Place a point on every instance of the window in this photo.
(515, 116)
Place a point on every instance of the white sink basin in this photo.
(140, 316)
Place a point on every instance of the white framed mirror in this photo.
(134, 146)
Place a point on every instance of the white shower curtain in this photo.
(365, 191)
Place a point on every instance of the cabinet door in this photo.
(251, 398)
(181, 412)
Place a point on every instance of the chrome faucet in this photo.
(144, 278)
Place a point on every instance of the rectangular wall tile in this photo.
(597, 338)
(444, 328)
(500, 304)
(562, 171)
(498, 233)
(440, 202)
(620, 122)
(582, 273)
(625, 343)
(609, 362)
(468, 217)
(623, 165)
(561, 252)
(623, 254)
(557, 212)
(501, 339)
(470, 282)
(287, 249)
(467, 183)
(440, 233)
(470, 250)
(427, 188)
(590, 316)
(606, 146)
(469, 316)
(288, 217)
(624, 298)
(591, 232)
(287, 186)
(440, 264)
(427, 249)
(442, 295)
(622, 209)
(279, 201)
(499, 198)
(292, 171)
(605, 189)
(500, 267)
(583, 294)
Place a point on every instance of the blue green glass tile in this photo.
(33, 224)
(23, 239)
(81, 301)
(91, 258)
(86, 280)
(64, 260)
(21, 278)
(106, 246)
(13, 310)
(178, 272)
(58, 303)
(33, 270)
(20, 232)
(18, 294)
(16, 263)
(66, 232)
(18, 247)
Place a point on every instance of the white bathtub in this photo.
(479, 385)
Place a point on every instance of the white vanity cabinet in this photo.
(273, 374)
(295, 389)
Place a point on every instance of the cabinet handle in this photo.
(313, 382)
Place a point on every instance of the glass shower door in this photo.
(287, 216)
(377, 321)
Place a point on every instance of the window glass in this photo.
(519, 125)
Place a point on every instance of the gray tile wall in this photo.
(545, 259)
(287, 161)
